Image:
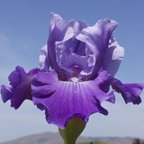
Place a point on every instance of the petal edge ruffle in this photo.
(130, 91)
(70, 99)
(20, 87)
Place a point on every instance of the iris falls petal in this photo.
(63, 100)
(130, 91)
(20, 87)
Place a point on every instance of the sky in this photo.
(24, 26)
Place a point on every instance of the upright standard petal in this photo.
(113, 57)
(62, 42)
(20, 87)
(43, 60)
(57, 30)
(97, 40)
(63, 100)
(130, 91)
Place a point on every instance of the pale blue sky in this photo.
(24, 30)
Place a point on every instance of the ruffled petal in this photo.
(94, 43)
(43, 60)
(63, 100)
(130, 91)
(75, 64)
(62, 36)
(57, 22)
(69, 44)
(17, 76)
(20, 88)
(113, 58)
(45, 78)
(97, 39)
(44, 84)
(57, 30)
(6, 93)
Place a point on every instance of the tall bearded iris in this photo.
(78, 66)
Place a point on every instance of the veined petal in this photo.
(68, 99)
(45, 78)
(44, 84)
(20, 88)
(130, 91)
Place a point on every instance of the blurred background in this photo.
(24, 28)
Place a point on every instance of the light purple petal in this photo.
(113, 58)
(6, 93)
(43, 60)
(57, 22)
(97, 39)
(69, 44)
(17, 76)
(130, 91)
(20, 88)
(67, 99)
(57, 30)
(75, 64)
(95, 43)
(45, 78)
(73, 28)
(44, 84)
(61, 40)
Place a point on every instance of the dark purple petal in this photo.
(17, 76)
(33, 72)
(111, 98)
(63, 100)
(130, 92)
(20, 89)
(97, 40)
(43, 78)
(6, 93)
(19, 94)
(104, 80)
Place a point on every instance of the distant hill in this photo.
(54, 138)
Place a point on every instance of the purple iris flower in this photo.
(78, 66)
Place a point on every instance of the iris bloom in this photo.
(77, 74)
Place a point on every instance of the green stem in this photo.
(72, 131)
(69, 142)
